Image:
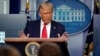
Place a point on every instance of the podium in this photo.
(17, 39)
(20, 43)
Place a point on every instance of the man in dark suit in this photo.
(53, 29)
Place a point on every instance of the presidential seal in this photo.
(31, 49)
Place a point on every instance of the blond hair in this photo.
(46, 5)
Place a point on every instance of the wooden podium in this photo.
(17, 39)
(20, 43)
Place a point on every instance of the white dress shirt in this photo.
(48, 27)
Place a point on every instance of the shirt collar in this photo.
(42, 23)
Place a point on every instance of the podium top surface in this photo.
(17, 39)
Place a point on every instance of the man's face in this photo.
(46, 14)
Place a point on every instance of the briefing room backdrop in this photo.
(18, 21)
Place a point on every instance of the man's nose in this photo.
(48, 15)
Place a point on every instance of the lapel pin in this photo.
(54, 27)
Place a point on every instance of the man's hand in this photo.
(63, 36)
(22, 34)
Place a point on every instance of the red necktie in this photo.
(44, 31)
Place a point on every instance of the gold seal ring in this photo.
(31, 49)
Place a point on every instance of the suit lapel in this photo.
(53, 30)
(38, 28)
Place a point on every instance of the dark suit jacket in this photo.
(33, 28)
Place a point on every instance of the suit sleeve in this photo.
(61, 29)
(63, 45)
